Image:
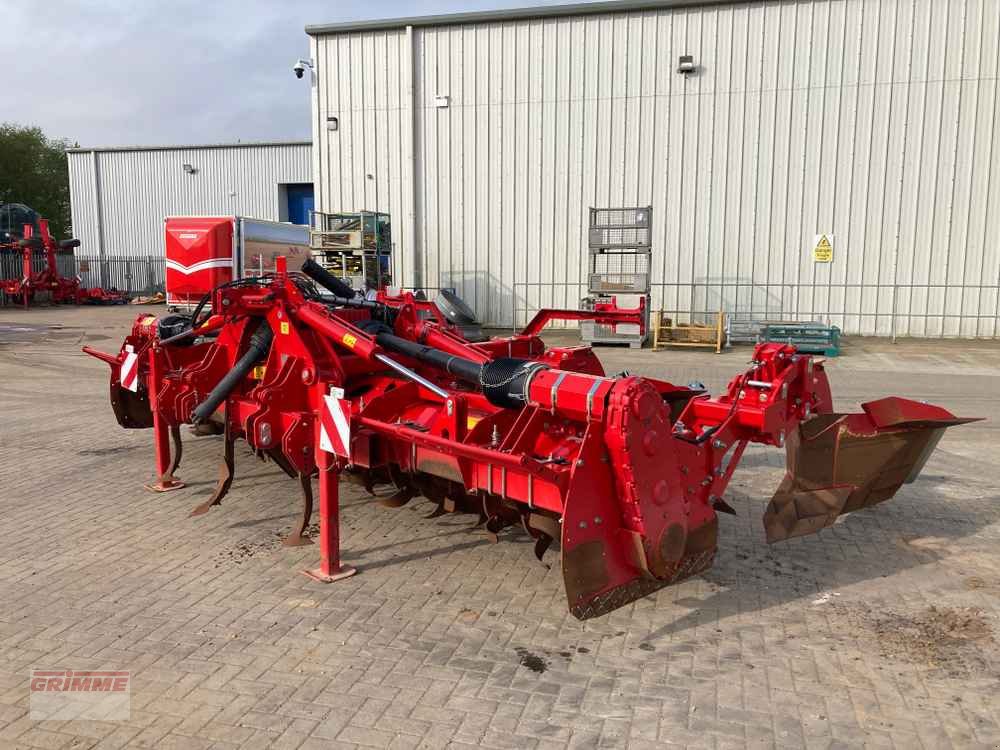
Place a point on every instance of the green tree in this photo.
(34, 171)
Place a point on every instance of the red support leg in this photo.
(329, 569)
(166, 482)
(26, 273)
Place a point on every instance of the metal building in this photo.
(120, 196)
(874, 122)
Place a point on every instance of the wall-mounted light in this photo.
(686, 65)
(332, 123)
(189, 169)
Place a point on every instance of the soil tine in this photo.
(226, 472)
(398, 499)
(298, 537)
(175, 435)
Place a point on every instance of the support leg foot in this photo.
(165, 484)
(317, 574)
(167, 481)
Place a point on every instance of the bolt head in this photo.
(661, 492)
(649, 442)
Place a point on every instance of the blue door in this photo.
(300, 202)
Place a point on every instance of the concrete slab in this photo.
(881, 630)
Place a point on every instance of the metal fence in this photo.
(12, 264)
(138, 274)
(919, 309)
(135, 275)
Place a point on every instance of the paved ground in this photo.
(882, 631)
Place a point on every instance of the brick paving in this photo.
(444, 640)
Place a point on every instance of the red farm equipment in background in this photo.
(627, 474)
(30, 283)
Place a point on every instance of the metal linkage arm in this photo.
(544, 316)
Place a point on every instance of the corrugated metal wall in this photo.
(873, 120)
(120, 196)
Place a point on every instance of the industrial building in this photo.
(820, 159)
(120, 196)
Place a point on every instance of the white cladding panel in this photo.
(120, 197)
(871, 120)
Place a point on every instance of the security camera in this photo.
(300, 67)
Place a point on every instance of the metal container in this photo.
(205, 251)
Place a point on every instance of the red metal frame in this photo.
(330, 567)
(627, 472)
(63, 290)
(604, 313)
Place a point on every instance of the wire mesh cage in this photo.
(623, 237)
(355, 246)
(619, 241)
(359, 231)
(619, 272)
(620, 228)
(638, 217)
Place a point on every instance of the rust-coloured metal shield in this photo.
(839, 463)
(131, 409)
(606, 563)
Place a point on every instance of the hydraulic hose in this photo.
(462, 368)
(504, 380)
(343, 295)
(260, 345)
(327, 280)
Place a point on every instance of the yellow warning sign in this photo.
(284, 328)
(823, 248)
(349, 340)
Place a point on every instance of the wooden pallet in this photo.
(666, 334)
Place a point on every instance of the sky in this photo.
(156, 72)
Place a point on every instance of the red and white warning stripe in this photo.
(335, 424)
(203, 265)
(129, 375)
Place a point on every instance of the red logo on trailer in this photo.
(199, 256)
(335, 424)
(129, 375)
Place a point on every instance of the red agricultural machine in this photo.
(627, 473)
(60, 289)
